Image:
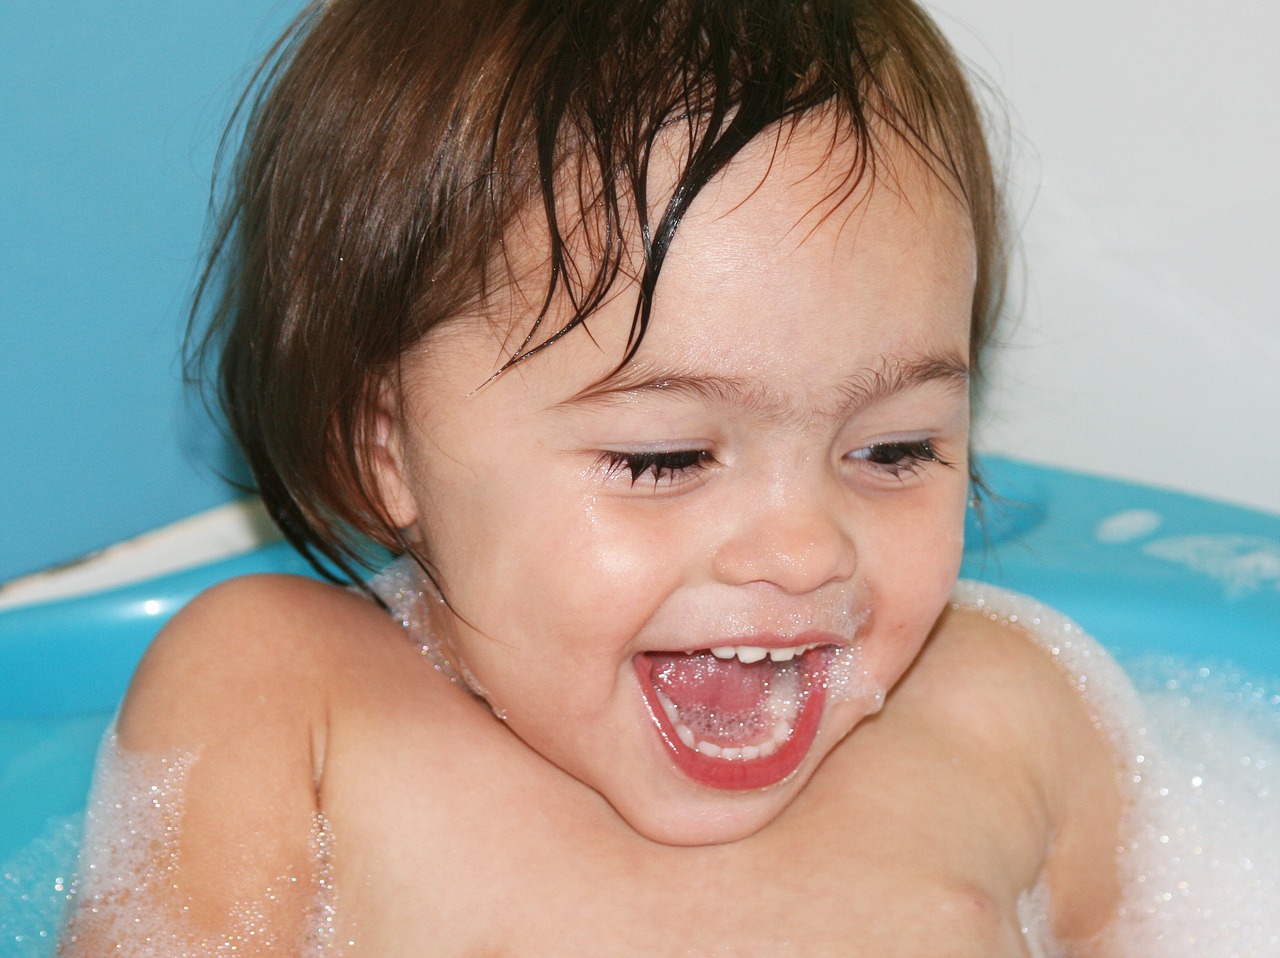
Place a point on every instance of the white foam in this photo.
(1205, 832)
(1201, 847)
(126, 894)
(408, 595)
(848, 680)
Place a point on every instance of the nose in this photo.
(792, 541)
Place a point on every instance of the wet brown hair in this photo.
(390, 144)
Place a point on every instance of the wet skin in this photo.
(799, 339)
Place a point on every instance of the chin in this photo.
(709, 820)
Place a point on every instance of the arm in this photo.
(1083, 774)
(203, 824)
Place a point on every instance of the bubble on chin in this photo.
(847, 679)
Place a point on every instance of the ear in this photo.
(389, 463)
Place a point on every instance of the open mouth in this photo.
(737, 717)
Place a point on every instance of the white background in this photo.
(1144, 167)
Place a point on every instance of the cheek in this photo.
(912, 570)
(553, 570)
(608, 574)
(926, 524)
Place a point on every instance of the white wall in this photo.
(1145, 165)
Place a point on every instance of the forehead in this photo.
(791, 233)
(808, 193)
(794, 234)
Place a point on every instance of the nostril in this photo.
(795, 557)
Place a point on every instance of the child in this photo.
(646, 331)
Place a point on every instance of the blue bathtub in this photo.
(1141, 568)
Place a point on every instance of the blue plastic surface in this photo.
(1142, 569)
(76, 655)
(110, 116)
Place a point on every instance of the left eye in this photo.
(670, 465)
(898, 459)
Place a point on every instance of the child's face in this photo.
(797, 423)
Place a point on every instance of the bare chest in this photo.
(834, 909)
(915, 837)
(878, 873)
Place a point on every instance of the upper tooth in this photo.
(755, 653)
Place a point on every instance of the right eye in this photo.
(666, 467)
(898, 459)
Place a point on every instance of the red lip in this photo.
(740, 774)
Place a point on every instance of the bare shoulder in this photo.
(255, 674)
(1004, 667)
(236, 691)
(248, 655)
(999, 686)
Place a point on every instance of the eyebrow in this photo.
(864, 388)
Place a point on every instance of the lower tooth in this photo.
(784, 694)
(669, 707)
(778, 738)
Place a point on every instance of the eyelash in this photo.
(675, 463)
(899, 459)
(895, 459)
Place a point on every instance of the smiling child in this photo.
(645, 333)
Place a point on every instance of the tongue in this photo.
(721, 700)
